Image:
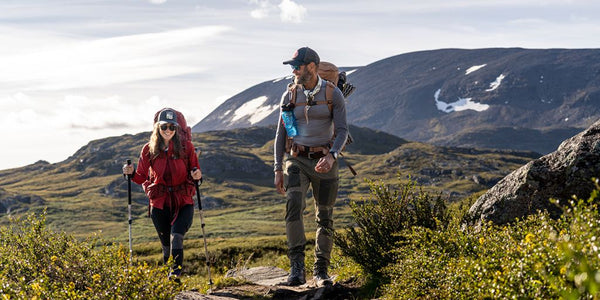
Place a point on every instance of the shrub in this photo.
(382, 218)
(40, 264)
(534, 258)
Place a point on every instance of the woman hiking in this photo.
(166, 169)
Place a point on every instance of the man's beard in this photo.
(303, 78)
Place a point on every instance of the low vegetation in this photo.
(406, 244)
(379, 219)
(38, 263)
(399, 241)
(534, 258)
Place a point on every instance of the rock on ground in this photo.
(267, 283)
(561, 174)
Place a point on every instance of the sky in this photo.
(72, 71)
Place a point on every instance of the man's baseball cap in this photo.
(167, 116)
(303, 56)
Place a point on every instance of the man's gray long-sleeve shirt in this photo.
(318, 130)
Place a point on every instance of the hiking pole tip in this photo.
(210, 283)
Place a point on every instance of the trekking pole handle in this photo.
(129, 164)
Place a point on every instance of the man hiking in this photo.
(166, 169)
(316, 136)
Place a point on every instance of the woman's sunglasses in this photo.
(171, 127)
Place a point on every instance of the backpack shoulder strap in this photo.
(329, 95)
(292, 90)
(146, 154)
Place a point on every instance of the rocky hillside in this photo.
(87, 192)
(503, 98)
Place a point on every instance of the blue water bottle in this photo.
(289, 120)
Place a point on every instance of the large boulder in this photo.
(561, 174)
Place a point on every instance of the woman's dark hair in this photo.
(157, 143)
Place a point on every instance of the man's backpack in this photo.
(331, 74)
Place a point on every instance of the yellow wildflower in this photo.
(528, 238)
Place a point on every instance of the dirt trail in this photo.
(267, 283)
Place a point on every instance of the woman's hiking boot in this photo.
(174, 275)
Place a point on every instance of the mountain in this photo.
(503, 98)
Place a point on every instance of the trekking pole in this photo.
(210, 283)
(129, 210)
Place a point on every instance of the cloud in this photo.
(265, 7)
(527, 22)
(102, 62)
(291, 11)
(259, 13)
(52, 128)
(93, 64)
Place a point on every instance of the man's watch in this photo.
(334, 154)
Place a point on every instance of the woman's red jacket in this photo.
(166, 179)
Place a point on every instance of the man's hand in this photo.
(279, 182)
(325, 163)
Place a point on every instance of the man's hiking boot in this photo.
(321, 278)
(297, 276)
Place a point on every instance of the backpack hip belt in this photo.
(309, 152)
(176, 188)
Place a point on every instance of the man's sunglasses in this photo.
(296, 67)
(171, 127)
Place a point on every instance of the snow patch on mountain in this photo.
(254, 110)
(350, 72)
(283, 78)
(494, 85)
(474, 68)
(459, 105)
